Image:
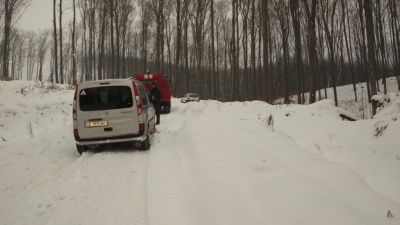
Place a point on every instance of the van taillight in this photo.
(76, 134)
(138, 100)
(74, 104)
(141, 127)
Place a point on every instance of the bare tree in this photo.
(112, 43)
(244, 7)
(11, 10)
(265, 31)
(381, 43)
(61, 42)
(158, 10)
(178, 43)
(42, 47)
(199, 18)
(16, 51)
(281, 12)
(363, 45)
(1, 11)
(395, 30)
(185, 37)
(213, 75)
(372, 67)
(253, 47)
(102, 14)
(329, 14)
(295, 12)
(125, 10)
(55, 43)
(311, 12)
(73, 53)
(145, 22)
(31, 55)
(347, 37)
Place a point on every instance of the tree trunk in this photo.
(55, 42)
(178, 46)
(61, 45)
(118, 39)
(363, 46)
(345, 14)
(328, 21)
(311, 42)
(372, 67)
(74, 80)
(382, 45)
(265, 33)
(111, 10)
(294, 9)
(253, 49)
(6, 39)
(233, 52)
(214, 77)
(395, 38)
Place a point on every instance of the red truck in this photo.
(162, 83)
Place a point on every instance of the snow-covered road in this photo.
(209, 163)
(48, 183)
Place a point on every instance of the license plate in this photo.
(101, 123)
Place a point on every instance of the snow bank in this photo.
(30, 109)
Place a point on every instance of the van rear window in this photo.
(105, 98)
(148, 82)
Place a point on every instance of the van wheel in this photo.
(167, 109)
(145, 144)
(81, 148)
(152, 129)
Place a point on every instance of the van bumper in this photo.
(113, 139)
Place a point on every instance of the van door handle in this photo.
(108, 129)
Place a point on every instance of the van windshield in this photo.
(105, 98)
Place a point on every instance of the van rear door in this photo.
(107, 111)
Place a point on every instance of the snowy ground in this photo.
(209, 163)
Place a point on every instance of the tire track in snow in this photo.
(96, 188)
(168, 199)
(118, 193)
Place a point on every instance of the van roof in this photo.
(154, 76)
(107, 81)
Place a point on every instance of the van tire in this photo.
(167, 109)
(81, 148)
(145, 144)
(153, 128)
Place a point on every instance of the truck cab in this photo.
(163, 84)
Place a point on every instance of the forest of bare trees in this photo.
(230, 50)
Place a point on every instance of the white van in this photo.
(109, 111)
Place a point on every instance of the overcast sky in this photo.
(40, 15)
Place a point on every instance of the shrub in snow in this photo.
(5, 78)
(379, 127)
(289, 113)
(30, 130)
(388, 105)
(382, 101)
(270, 121)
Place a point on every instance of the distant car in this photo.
(110, 111)
(190, 97)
